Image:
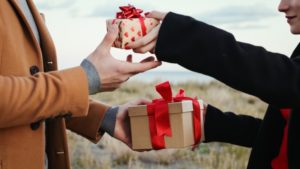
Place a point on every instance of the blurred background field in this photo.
(112, 154)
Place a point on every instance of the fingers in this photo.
(148, 59)
(150, 37)
(147, 48)
(129, 58)
(111, 35)
(157, 15)
(135, 68)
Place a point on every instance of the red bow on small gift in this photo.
(128, 12)
(159, 120)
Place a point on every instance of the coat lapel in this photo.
(46, 47)
(19, 11)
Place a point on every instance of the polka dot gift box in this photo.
(132, 25)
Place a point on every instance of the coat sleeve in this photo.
(230, 128)
(273, 77)
(88, 126)
(25, 100)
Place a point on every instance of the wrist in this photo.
(109, 121)
(94, 82)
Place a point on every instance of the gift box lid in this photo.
(174, 107)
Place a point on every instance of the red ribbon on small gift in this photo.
(129, 12)
(159, 119)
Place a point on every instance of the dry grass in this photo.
(112, 154)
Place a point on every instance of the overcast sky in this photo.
(78, 26)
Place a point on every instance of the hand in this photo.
(114, 72)
(122, 128)
(148, 42)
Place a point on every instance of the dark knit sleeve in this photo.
(273, 77)
(230, 128)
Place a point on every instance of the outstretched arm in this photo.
(230, 128)
(25, 100)
(200, 47)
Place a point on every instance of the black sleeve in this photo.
(197, 46)
(230, 128)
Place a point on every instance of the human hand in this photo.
(114, 72)
(122, 127)
(148, 42)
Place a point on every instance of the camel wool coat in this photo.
(37, 107)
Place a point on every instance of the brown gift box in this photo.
(181, 121)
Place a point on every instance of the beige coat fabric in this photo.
(29, 96)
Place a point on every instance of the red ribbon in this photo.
(128, 12)
(158, 115)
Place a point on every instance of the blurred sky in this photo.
(78, 26)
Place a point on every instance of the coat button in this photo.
(34, 70)
(35, 126)
(68, 116)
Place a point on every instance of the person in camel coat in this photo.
(38, 102)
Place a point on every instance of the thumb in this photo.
(157, 15)
(111, 35)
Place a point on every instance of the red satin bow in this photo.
(128, 12)
(159, 120)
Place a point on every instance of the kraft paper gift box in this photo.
(181, 123)
(132, 26)
(181, 119)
